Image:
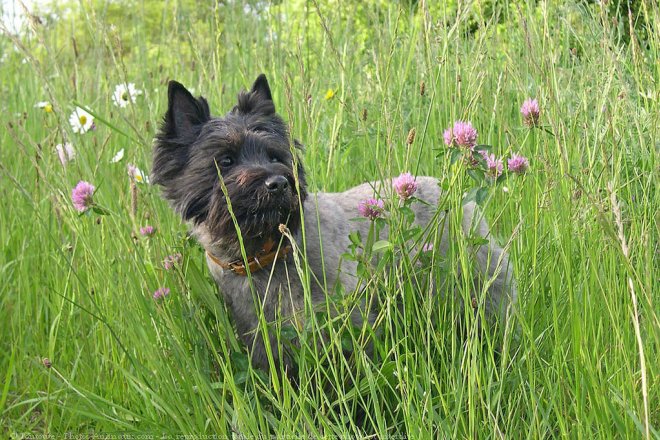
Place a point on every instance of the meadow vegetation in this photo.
(111, 324)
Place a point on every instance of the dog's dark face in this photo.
(249, 149)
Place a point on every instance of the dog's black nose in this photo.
(276, 184)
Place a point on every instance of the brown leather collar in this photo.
(262, 259)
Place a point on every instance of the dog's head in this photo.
(248, 152)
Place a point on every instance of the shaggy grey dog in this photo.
(241, 173)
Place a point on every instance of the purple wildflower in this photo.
(518, 164)
(172, 260)
(428, 247)
(147, 231)
(405, 185)
(161, 292)
(136, 174)
(465, 134)
(495, 166)
(371, 208)
(65, 152)
(131, 169)
(81, 196)
(530, 111)
(462, 134)
(449, 137)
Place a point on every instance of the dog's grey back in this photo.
(328, 221)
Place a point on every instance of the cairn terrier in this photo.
(237, 178)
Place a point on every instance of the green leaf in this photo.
(346, 341)
(240, 377)
(288, 332)
(362, 270)
(355, 238)
(481, 195)
(265, 378)
(423, 202)
(348, 256)
(412, 233)
(470, 196)
(240, 361)
(477, 241)
(384, 261)
(322, 317)
(481, 161)
(408, 214)
(100, 210)
(455, 155)
(476, 175)
(381, 245)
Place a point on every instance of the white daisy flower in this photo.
(117, 157)
(81, 121)
(125, 94)
(65, 152)
(41, 104)
(136, 174)
(45, 105)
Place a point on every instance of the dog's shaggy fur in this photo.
(247, 157)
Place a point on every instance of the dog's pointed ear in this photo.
(184, 112)
(261, 88)
(258, 101)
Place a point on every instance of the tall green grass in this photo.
(578, 358)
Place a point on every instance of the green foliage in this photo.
(85, 348)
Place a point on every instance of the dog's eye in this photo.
(275, 159)
(226, 161)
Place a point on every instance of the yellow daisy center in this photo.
(329, 94)
(138, 177)
(48, 108)
(82, 119)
